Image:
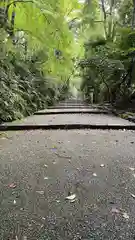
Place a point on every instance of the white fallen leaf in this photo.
(46, 178)
(71, 197)
(102, 165)
(132, 195)
(132, 169)
(94, 174)
(58, 201)
(45, 165)
(134, 175)
(72, 201)
(14, 202)
(16, 238)
(40, 192)
(125, 215)
(54, 162)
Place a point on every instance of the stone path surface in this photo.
(96, 119)
(67, 184)
(40, 169)
(71, 110)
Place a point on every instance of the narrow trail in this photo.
(74, 184)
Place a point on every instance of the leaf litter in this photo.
(102, 165)
(94, 174)
(62, 156)
(115, 210)
(12, 185)
(71, 197)
(125, 215)
(46, 178)
(131, 168)
(40, 192)
(133, 195)
(45, 165)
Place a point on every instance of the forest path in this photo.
(67, 184)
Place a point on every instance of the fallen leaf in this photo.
(46, 178)
(16, 238)
(71, 197)
(125, 215)
(21, 209)
(58, 201)
(94, 174)
(72, 201)
(14, 202)
(115, 210)
(45, 165)
(132, 169)
(12, 185)
(25, 238)
(40, 192)
(54, 148)
(134, 175)
(132, 195)
(102, 165)
(62, 156)
(54, 162)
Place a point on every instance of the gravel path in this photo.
(39, 169)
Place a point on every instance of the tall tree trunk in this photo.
(133, 16)
(104, 15)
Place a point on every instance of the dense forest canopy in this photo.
(38, 51)
(108, 31)
(49, 47)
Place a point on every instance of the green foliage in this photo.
(108, 68)
(23, 92)
(37, 48)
